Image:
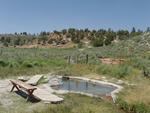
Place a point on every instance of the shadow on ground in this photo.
(24, 95)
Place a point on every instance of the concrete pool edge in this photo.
(112, 94)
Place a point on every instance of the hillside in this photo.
(67, 38)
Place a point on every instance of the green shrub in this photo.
(94, 60)
(123, 71)
(122, 104)
(98, 42)
(106, 69)
(36, 63)
(132, 108)
(140, 63)
(140, 108)
(80, 45)
(56, 62)
(117, 71)
(3, 63)
(27, 64)
(13, 64)
(102, 69)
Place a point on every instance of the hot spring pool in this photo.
(78, 85)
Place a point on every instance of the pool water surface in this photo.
(85, 87)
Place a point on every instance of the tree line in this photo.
(95, 37)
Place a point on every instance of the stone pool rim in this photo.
(112, 94)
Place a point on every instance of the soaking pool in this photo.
(84, 86)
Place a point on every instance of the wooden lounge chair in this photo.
(37, 92)
(19, 85)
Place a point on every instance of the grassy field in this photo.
(73, 104)
(36, 60)
(133, 98)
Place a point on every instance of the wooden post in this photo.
(1, 52)
(77, 59)
(87, 58)
(69, 59)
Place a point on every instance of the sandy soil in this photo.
(5, 87)
(111, 61)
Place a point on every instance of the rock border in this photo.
(112, 94)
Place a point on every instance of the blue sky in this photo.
(38, 15)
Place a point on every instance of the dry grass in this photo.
(73, 103)
(139, 93)
(82, 69)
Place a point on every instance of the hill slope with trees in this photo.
(81, 37)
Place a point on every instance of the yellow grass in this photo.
(140, 92)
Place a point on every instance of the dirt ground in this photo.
(111, 61)
(68, 45)
(5, 87)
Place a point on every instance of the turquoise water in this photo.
(85, 87)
